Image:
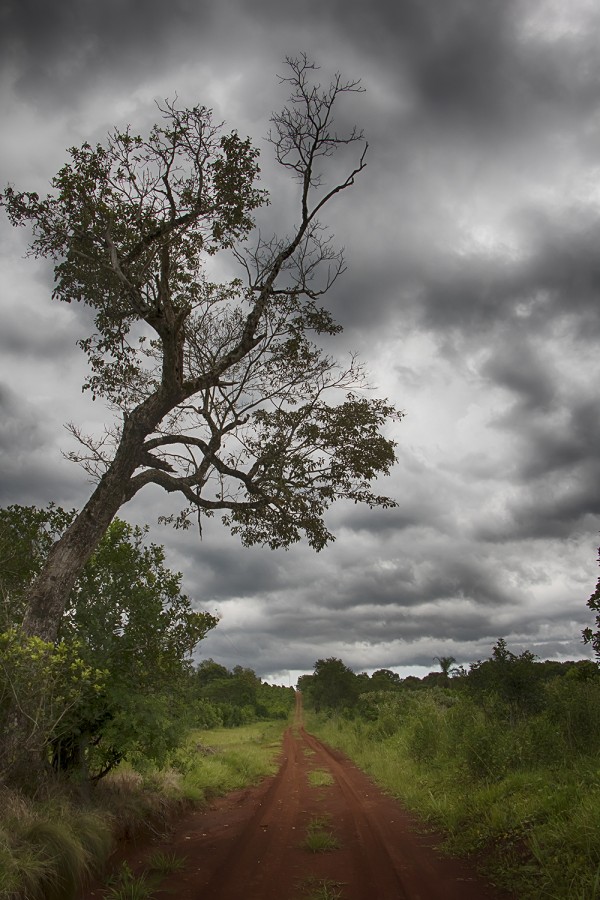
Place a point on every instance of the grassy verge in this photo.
(225, 759)
(537, 828)
(51, 844)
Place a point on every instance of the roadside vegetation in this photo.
(52, 842)
(504, 759)
(111, 730)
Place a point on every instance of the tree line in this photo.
(516, 686)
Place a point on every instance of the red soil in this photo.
(248, 845)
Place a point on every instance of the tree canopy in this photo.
(221, 392)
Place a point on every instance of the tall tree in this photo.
(221, 392)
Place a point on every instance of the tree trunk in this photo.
(49, 593)
(67, 558)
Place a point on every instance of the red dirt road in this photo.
(248, 846)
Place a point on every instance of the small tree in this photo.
(220, 392)
(591, 636)
(119, 679)
(514, 679)
(446, 663)
(333, 686)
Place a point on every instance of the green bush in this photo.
(43, 688)
(574, 707)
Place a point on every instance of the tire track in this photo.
(377, 868)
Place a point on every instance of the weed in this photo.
(165, 863)
(319, 836)
(127, 886)
(320, 778)
(322, 889)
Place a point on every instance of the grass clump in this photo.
(320, 778)
(125, 885)
(319, 836)
(48, 847)
(322, 889)
(165, 863)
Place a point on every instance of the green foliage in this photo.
(573, 708)
(125, 885)
(129, 609)
(118, 682)
(505, 760)
(514, 680)
(591, 636)
(238, 697)
(26, 535)
(44, 689)
(384, 680)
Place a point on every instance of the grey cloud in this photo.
(18, 424)
(58, 48)
(521, 368)
(40, 338)
(24, 438)
(559, 510)
(553, 448)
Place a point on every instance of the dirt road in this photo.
(250, 845)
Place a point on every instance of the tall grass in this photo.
(524, 797)
(48, 847)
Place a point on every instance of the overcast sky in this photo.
(472, 294)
